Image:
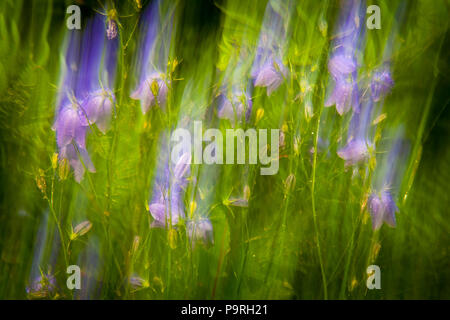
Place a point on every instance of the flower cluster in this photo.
(84, 103)
(166, 205)
(346, 95)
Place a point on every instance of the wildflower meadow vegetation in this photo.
(227, 149)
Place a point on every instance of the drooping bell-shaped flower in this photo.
(152, 91)
(359, 145)
(382, 208)
(153, 56)
(71, 139)
(270, 75)
(268, 70)
(97, 108)
(356, 151)
(69, 126)
(200, 230)
(167, 206)
(343, 96)
(388, 177)
(167, 210)
(341, 65)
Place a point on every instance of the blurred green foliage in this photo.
(268, 250)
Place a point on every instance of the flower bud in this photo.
(289, 183)
(259, 114)
(81, 229)
(55, 161)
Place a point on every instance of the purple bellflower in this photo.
(359, 146)
(200, 230)
(71, 140)
(268, 71)
(70, 126)
(356, 151)
(342, 96)
(83, 101)
(342, 65)
(387, 177)
(153, 55)
(97, 108)
(271, 75)
(152, 91)
(382, 208)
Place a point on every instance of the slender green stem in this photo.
(219, 264)
(313, 204)
(61, 235)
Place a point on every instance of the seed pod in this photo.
(243, 203)
(64, 169)
(135, 245)
(282, 140)
(289, 183)
(246, 192)
(308, 111)
(297, 145)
